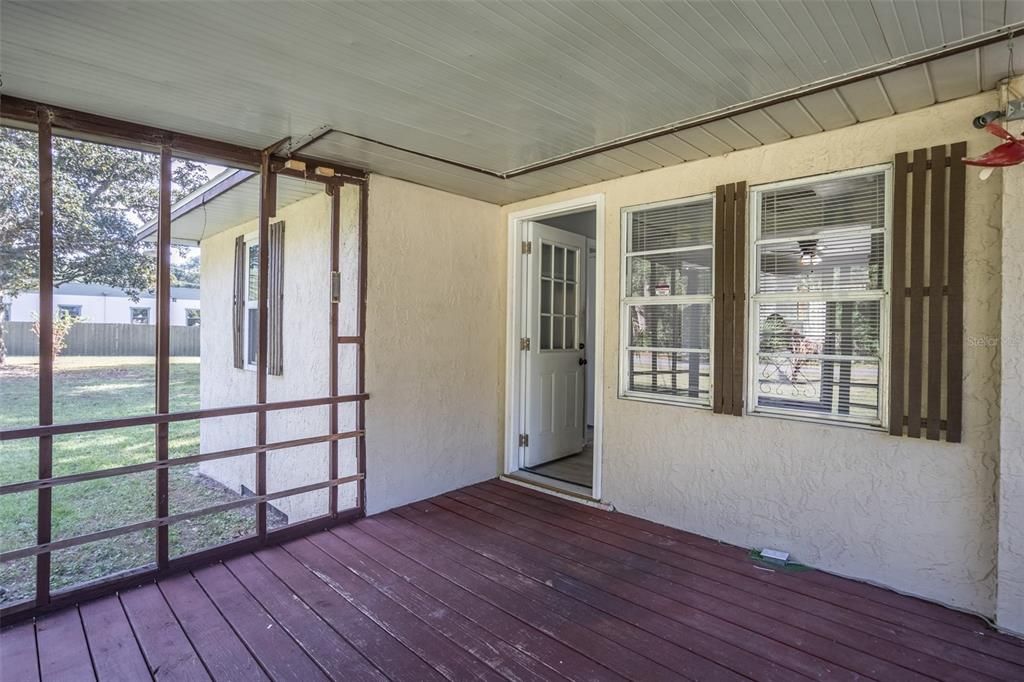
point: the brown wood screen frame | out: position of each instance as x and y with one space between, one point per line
730 297
45 431
931 231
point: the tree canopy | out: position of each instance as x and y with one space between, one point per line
102 195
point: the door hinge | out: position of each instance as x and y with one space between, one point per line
524 343
527 247
524 440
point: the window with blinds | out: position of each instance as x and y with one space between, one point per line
666 301
818 293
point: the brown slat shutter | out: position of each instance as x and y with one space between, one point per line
275 300
730 297
238 311
931 232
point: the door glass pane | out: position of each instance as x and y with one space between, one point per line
545 332
559 263
558 337
570 265
545 260
545 296
559 306
570 333
570 299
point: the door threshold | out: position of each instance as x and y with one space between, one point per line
569 491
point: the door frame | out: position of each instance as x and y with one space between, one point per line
515 304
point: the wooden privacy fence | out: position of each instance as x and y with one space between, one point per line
94 338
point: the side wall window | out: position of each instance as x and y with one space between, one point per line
140 315
818 291
667 294
252 297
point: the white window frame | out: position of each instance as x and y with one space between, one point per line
250 303
884 297
625 301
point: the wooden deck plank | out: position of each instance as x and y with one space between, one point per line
115 652
63 650
169 653
500 582
620 646
389 655
503 658
520 634
793 627
643 609
19 657
216 643
914 614
273 647
325 646
860 643
435 649
729 621
655 533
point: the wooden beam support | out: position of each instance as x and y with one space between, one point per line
163 346
111 130
44 505
268 206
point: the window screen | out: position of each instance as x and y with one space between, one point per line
819 295
666 301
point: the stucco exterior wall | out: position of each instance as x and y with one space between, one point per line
435 323
915 515
306 358
1010 604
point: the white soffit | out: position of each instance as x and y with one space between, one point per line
195 217
495 85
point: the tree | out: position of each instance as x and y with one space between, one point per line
186 273
102 195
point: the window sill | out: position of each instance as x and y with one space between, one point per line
663 400
876 427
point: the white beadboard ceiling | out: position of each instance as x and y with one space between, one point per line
495 85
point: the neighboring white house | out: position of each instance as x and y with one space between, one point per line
100 304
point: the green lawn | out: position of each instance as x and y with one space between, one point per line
88 388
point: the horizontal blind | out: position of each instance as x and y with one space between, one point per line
667 292
819 296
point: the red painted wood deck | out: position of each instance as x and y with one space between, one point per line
497 582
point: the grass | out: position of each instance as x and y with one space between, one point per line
89 388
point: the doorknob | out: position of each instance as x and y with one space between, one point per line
583 361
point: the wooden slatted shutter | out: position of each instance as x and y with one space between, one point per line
275 300
927 282
238 310
730 297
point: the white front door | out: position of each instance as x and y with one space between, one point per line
555 376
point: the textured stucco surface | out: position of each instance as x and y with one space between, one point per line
1010 612
306 357
435 323
914 515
